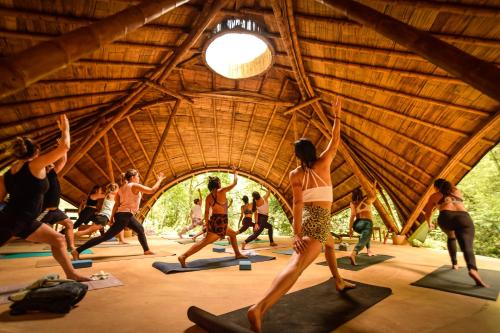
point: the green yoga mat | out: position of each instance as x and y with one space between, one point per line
420 234
33 254
226 243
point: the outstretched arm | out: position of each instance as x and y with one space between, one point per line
147 189
333 145
235 181
60 163
266 196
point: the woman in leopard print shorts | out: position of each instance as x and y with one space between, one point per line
312 201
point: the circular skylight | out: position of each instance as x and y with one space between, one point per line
238 53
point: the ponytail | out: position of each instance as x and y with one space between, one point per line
24 148
443 186
255 197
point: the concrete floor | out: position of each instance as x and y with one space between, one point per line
151 301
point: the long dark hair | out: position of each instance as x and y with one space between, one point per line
443 186
357 195
245 200
213 183
255 197
94 189
24 148
305 152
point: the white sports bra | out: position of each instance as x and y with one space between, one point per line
316 193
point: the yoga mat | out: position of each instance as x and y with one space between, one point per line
318 309
459 282
184 241
106 258
362 261
24 248
33 254
226 243
202 264
111 281
254 249
287 252
108 245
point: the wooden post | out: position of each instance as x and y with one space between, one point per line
478 73
108 158
452 162
24 68
162 140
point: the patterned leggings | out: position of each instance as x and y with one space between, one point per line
316 223
363 227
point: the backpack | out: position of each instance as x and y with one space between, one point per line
58 298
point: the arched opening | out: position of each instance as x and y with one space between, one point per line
171 206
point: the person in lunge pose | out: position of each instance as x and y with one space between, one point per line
26 183
260 207
456 223
195 215
217 223
127 204
312 201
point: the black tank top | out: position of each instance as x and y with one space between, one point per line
52 196
25 192
91 202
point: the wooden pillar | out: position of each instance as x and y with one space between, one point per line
108 159
26 67
478 73
162 139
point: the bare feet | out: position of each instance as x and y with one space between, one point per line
75 254
254 319
79 278
243 244
343 285
352 257
371 254
475 276
273 244
122 242
454 267
148 253
240 256
182 260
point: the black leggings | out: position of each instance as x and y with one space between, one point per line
461 223
84 217
263 224
122 220
247 223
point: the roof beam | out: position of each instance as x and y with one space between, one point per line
478 73
170 92
446 7
139 141
302 105
238 96
164 151
162 140
122 146
107 154
455 159
20 71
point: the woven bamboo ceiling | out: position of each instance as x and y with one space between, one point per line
406 121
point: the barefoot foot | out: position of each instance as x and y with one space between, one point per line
243 245
75 255
182 260
454 267
352 258
344 285
78 278
148 253
254 319
273 244
475 276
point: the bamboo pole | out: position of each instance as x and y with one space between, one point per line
479 74
158 136
239 96
170 92
457 156
446 7
20 71
302 105
162 140
107 153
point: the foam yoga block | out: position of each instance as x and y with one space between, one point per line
82 263
245 265
219 249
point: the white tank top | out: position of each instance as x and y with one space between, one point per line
129 202
264 208
107 207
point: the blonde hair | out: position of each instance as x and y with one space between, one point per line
111 187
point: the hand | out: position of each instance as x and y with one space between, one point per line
160 176
298 244
63 123
431 226
337 108
257 227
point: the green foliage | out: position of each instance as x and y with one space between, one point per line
481 189
171 210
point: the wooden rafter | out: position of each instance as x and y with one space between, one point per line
163 149
139 141
170 92
117 166
179 138
239 96
19 71
162 140
97 166
302 105
107 154
478 73
269 122
455 159
198 139
122 146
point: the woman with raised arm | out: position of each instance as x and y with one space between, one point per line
90 207
361 221
195 215
26 183
217 223
127 204
260 208
312 202
245 216
456 223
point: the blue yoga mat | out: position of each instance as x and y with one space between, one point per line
202 264
33 254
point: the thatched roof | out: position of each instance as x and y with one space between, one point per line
405 121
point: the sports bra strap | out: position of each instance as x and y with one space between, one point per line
310 173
